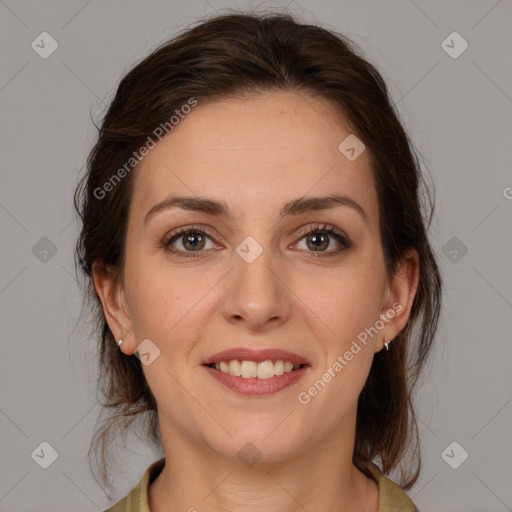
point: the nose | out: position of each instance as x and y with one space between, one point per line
256 292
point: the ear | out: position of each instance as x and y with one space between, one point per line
110 290
400 296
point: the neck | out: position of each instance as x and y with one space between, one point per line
195 478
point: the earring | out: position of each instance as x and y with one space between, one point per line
386 344
119 343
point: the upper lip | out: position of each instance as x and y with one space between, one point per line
257 356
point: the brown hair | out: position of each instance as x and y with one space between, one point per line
231 55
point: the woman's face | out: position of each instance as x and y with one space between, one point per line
255 279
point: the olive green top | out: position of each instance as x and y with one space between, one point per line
391 497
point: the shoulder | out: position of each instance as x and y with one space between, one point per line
137 499
391 497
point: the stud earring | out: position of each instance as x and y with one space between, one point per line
119 343
386 344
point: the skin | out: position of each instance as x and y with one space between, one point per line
256 154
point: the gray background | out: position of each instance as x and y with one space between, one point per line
458 112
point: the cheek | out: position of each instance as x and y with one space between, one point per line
167 305
346 302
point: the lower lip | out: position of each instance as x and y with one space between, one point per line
255 386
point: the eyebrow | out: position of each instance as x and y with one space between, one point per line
297 206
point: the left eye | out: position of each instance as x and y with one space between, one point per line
319 238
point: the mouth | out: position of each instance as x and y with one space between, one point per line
256 372
262 370
249 363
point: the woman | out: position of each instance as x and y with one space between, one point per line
254 243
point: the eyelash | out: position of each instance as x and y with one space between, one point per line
326 229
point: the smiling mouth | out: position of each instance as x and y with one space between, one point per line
251 369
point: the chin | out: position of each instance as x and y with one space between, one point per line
257 444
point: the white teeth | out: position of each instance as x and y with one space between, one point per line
234 368
279 368
265 370
250 369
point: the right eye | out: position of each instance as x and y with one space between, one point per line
192 240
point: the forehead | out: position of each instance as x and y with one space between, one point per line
253 153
